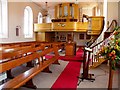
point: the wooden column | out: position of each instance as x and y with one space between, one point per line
111 72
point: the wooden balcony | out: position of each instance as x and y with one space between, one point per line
94 26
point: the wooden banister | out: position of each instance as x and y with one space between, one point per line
112 23
85 74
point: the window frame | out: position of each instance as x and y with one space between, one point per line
81 36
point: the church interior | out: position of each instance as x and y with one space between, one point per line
63 44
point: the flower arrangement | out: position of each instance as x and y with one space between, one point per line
111 51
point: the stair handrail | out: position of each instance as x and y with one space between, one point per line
103 40
113 21
85 66
86 58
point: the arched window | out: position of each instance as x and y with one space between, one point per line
40 17
3 19
28 22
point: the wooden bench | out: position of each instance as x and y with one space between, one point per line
14 53
26 77
20 44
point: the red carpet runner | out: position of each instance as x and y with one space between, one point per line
77 57
68 78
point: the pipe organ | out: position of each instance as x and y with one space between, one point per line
67 18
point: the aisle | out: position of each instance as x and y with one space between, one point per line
68 78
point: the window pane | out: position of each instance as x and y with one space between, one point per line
3 19
39 17
0 18
28 22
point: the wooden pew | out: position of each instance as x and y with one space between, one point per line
7 52
14 52
6 56
26 77
21 44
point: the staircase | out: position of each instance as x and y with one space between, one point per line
97 63
96 58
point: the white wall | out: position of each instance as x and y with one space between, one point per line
51 12
112 11
119 13
78 41
87 11
16 17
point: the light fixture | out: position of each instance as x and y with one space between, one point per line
46 16
46 10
